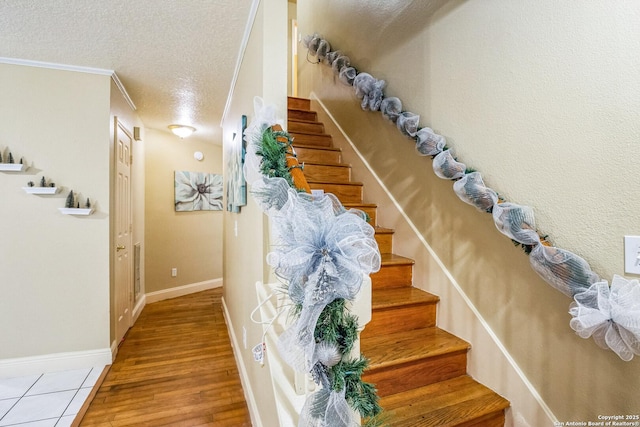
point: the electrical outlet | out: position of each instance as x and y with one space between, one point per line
258 353
174 272
632 254
244 337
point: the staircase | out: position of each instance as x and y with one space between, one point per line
419 369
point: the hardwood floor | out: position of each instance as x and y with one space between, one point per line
175 368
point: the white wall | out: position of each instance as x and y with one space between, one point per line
262 73
552 88
541 99
55 268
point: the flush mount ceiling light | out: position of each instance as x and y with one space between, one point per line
181 130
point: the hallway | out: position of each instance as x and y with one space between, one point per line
174 368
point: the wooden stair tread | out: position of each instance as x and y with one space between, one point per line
332 164
317 153
315 147
303 133
304 121
350 183
393 259
296 114
388 350
382 230
359 205
299 110
401 297
454 402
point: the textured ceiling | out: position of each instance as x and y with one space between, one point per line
176 59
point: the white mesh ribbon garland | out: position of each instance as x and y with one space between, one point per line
339 63
311 42
611 315
429 143
331 56
369 90
323 49
471 189
516 222
407 123
347 75
391 108
322 254
565 271
446 167
326 408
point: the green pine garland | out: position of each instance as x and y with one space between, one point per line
274 155
335 324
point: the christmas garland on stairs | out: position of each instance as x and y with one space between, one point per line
321 253
609 314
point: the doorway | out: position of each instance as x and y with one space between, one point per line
123 229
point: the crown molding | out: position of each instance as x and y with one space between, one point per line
243 47
55 66
123 90
75 68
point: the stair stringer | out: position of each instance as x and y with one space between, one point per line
489 362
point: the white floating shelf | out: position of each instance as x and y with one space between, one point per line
11 167
76 211
40 190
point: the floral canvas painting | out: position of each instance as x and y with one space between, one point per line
198 191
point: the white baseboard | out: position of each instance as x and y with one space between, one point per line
33 365
244 377
179 291
142 301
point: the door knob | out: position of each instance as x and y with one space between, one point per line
119 248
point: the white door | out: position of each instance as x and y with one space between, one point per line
123 228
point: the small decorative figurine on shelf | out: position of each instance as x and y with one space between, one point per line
8 164
44 187
72 205
70 200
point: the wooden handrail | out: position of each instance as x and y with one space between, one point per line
292 163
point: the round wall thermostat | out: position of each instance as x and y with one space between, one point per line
198 155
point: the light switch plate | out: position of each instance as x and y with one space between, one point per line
632 254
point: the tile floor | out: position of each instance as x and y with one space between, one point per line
46 400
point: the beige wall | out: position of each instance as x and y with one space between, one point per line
263 73
55 268
188 241
541 99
